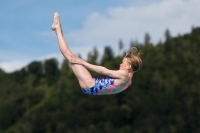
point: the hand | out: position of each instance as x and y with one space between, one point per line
76 61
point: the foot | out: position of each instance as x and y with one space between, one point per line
56 22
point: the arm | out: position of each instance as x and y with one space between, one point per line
99 69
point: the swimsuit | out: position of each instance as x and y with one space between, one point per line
105 86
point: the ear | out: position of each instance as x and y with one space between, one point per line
128 67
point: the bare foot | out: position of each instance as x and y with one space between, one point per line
56 22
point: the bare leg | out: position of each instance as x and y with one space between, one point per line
82 74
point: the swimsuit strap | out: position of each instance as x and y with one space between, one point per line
122 87
118 86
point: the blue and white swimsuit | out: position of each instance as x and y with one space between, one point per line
105 86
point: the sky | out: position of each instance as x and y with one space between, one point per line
26 35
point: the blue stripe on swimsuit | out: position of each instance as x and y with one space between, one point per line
100 83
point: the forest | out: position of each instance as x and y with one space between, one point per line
164 96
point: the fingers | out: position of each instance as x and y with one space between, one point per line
73 60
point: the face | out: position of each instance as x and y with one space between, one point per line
124 65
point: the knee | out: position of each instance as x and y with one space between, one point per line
68 56
71 56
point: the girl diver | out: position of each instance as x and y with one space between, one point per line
116 80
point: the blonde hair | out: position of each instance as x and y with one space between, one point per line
133 57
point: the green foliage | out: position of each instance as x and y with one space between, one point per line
35 69
3 76
93 56
121 45
51 70
147 39
108 55
164 96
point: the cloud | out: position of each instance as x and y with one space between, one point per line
99 29
16 64
132 23
11 66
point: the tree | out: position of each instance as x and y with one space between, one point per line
51 70
19 76
167 35
3 76
108 55
64 68
36 69
93 56
121 45
147 39
134 43
163 96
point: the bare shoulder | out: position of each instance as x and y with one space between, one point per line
122 72
124 78
114 73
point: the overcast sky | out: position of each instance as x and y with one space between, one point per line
26 35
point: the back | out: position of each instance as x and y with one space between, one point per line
119 85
